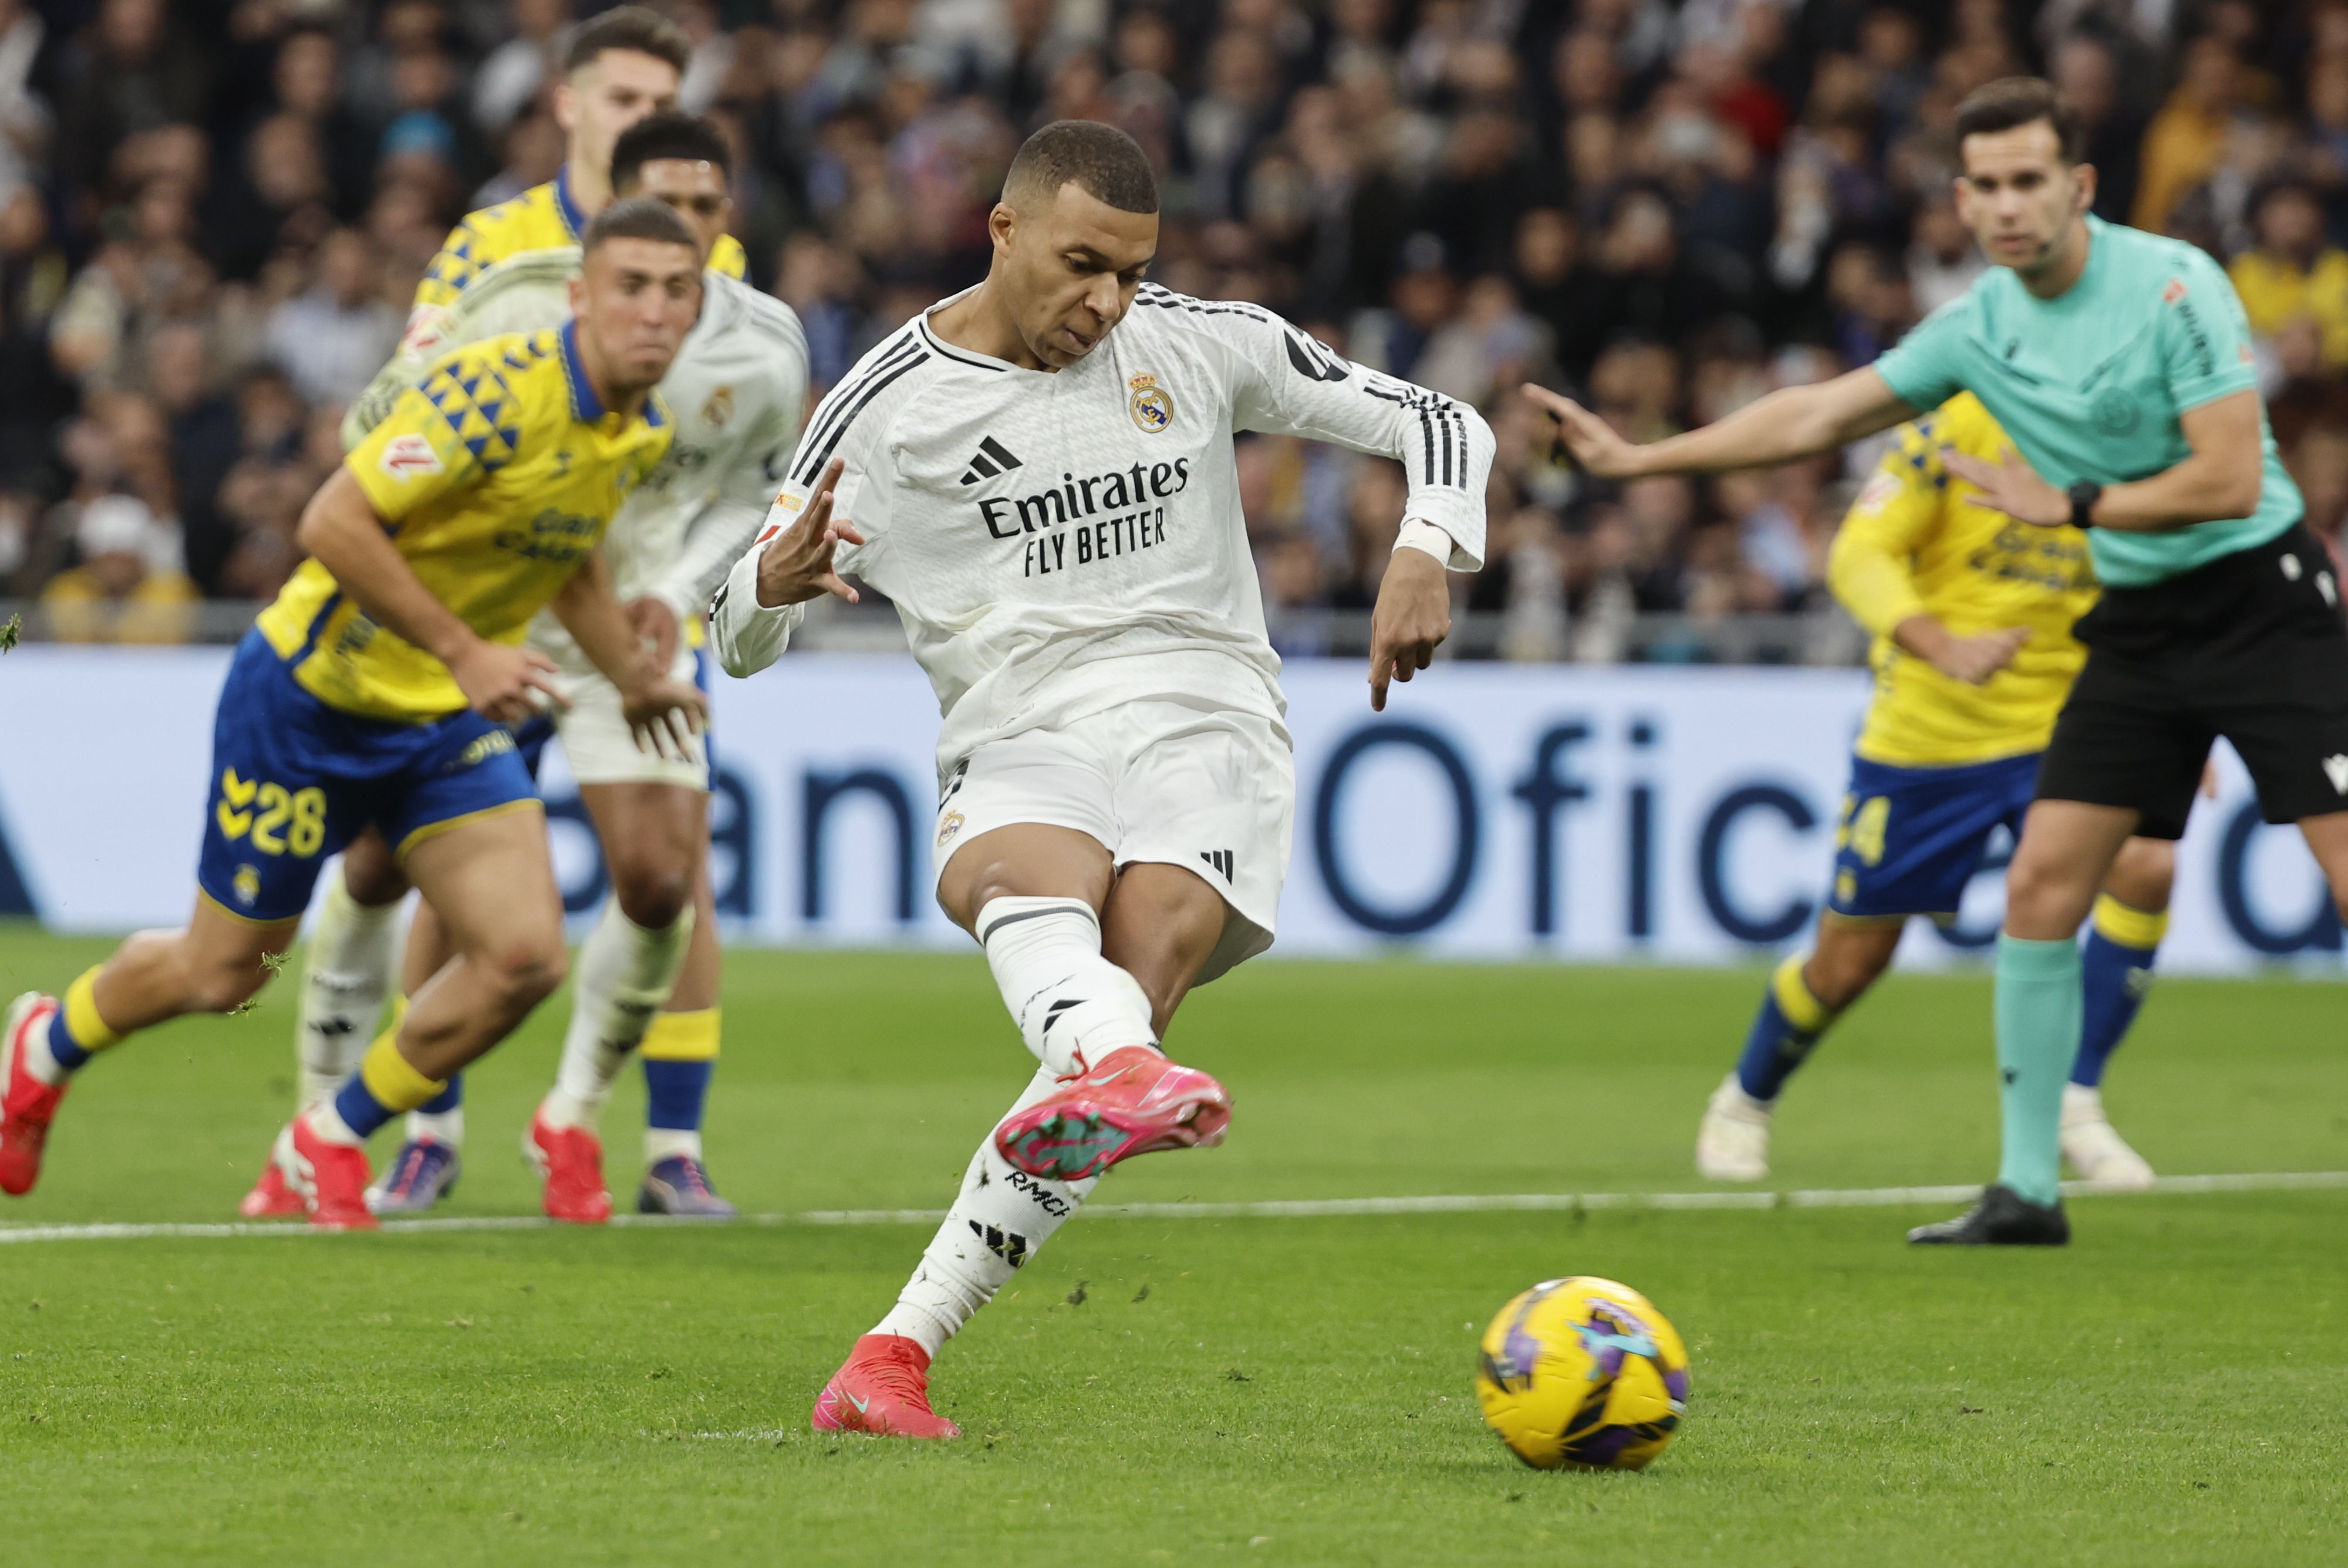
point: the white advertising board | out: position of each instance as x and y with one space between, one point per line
1682 815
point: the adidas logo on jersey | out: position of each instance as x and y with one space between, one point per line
1220 859
993 458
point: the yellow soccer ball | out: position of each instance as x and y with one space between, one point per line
1582 1374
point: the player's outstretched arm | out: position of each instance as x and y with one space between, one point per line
660 710
343 529
1791 422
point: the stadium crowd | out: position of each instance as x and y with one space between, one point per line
213 214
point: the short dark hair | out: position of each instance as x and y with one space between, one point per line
636 28
1109 164
2011 102
637 217
668 134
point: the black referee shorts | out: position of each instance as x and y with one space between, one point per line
2252 647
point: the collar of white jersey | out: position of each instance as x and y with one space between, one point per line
971 357
719 304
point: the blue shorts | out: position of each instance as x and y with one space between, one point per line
1910 838
293 781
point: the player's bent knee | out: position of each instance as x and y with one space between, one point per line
526 970
2044 900
653 891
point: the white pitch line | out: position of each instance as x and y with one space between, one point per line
1303 1208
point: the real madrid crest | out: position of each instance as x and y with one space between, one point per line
719 409
1150 407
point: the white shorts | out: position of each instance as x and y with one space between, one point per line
1212 790
601 749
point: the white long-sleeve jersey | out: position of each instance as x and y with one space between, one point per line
1058 543
735 392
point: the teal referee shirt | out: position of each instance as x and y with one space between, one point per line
2090 384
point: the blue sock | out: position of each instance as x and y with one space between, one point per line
2038 1009
1788 1025
449 1099
674 1092
2116 964
69 1055
361 1111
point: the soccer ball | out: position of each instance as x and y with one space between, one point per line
1582 1374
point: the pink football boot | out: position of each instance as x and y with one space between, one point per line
27 1105
882 1390
1132 1102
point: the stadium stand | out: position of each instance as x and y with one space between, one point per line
212 216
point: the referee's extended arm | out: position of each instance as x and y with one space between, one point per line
2221 479
1791 423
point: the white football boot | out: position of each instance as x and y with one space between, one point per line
2097 1153
1731 1143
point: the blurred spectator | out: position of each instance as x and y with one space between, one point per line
511 74
123 591
2292 272
333 339
213 217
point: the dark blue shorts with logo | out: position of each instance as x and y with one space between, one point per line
295 779
1910 838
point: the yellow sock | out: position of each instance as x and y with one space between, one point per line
682 1036
88 1031
394 1085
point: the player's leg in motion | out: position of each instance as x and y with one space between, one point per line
1808 992
347 968
213 964
2066 850
680 1057
654 839
1092 965
432 1155
2115 960
490 881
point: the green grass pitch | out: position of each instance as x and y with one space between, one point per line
2172 1390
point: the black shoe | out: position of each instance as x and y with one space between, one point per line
2004 1217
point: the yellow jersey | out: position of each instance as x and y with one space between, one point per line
497 476
1912 544
543 216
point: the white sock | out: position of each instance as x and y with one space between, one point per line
327 1122
999 1220
664 1142
345 974
446 1128
625 972
1071 1004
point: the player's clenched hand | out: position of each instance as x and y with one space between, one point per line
1973 659
661 712
654 624
1594 444
2010 486
796 565
1412 619
504 683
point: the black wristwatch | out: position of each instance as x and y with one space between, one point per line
2083 497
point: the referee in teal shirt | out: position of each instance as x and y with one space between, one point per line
2119 364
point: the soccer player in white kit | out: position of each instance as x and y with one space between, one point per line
1039 473
648 972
